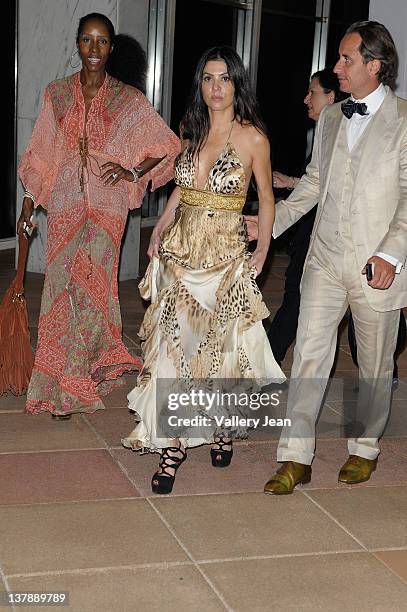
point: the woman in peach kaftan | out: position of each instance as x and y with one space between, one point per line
80 351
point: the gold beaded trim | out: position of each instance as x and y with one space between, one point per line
214 201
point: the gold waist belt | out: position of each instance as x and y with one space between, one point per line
214 201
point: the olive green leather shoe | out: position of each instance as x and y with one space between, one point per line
287 477
357 469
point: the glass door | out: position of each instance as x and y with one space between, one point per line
199 25
286 54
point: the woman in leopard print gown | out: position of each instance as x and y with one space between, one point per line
204 329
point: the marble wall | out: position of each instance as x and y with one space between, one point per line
46 31
393 14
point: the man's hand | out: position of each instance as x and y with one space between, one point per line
283 181
384 273
252 224
258 259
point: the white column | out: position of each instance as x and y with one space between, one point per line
393 15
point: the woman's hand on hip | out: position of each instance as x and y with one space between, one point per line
112 173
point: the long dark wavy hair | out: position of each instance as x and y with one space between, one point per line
195 124
128 62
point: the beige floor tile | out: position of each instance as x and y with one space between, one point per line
330 583
28 432
112 425
396 560
401 392
376 516
83 534
397 446
31 478
173 589
331 424
343 387
118 397
12 403
131 342
247 471
397 423
343 361
251 524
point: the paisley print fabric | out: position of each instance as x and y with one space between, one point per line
205 317
80 353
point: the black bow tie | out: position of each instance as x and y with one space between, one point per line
350 106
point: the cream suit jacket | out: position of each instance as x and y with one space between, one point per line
378 209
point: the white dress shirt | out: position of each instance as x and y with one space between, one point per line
355 126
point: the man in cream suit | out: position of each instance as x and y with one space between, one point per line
358 174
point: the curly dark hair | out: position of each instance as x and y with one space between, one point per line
195 123
377 44
128 62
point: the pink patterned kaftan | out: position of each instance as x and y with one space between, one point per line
80 350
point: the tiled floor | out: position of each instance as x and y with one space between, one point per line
77 513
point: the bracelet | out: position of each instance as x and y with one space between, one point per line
27 194
293 185
137 173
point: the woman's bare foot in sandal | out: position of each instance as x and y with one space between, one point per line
170 460
221 451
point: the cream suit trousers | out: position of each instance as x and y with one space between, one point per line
327 290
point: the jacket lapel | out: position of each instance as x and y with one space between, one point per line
329 137
379 134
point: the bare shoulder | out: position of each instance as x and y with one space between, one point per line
252 136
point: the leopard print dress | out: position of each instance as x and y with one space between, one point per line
203 328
